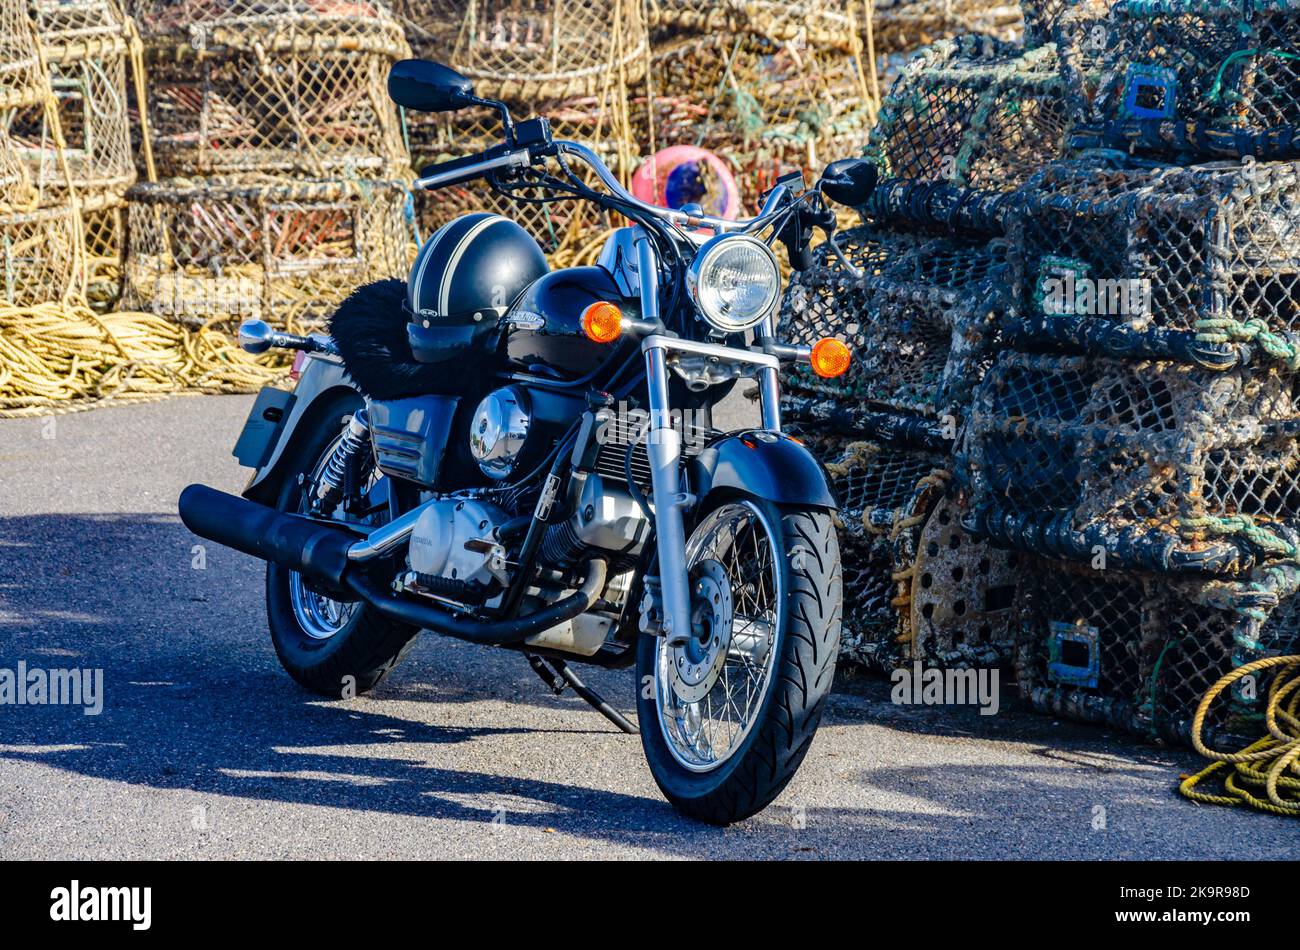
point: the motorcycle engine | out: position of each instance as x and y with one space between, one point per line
454 549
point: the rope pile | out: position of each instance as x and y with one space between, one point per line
1266 774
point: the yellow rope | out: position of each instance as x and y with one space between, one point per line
1271 763
62 356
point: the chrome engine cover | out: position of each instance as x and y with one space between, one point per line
499 430
456 538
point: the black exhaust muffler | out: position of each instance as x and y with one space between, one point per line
316 550
320 551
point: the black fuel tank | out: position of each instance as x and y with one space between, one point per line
543 332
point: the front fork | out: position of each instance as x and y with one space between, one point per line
664 447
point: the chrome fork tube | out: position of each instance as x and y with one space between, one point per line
664 450
769 381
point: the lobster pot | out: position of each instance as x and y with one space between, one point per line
535 50
973 111
282 251
1137 651
916 585
586 119
289 86
1197 264
819 23
86 44
42 258
921 326
905 25
766 108
22 81
1043 18
1154 465
1209 78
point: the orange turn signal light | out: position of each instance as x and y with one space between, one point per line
602 322
830 358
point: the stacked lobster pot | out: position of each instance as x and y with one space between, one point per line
576 62
1138 434
1196 79
921 307
42 257
85 45
771 88
285 171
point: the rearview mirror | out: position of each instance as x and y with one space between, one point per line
850 181
426 86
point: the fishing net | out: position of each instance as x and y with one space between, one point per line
920 321
281 250
1196 264
287 86
1137 651
1210 78
973 111
1158 465
767 108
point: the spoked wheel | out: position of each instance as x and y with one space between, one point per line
332 644
727 717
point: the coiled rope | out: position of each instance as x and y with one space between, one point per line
62 356
1271 763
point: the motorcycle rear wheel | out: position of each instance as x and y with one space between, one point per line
726 721
332 647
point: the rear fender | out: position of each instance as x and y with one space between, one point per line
320 385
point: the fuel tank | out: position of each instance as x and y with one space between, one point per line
542 332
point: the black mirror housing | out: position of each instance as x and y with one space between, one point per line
849 181
425 86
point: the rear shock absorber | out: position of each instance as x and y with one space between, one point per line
332 485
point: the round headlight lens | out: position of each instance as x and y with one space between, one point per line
735 281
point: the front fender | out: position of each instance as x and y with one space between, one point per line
321 382
768 465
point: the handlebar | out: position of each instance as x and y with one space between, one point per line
466 169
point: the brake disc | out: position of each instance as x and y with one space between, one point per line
695 666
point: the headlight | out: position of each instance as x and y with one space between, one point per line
735 281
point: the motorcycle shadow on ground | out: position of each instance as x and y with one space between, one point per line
195 700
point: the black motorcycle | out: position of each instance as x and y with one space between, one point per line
525 458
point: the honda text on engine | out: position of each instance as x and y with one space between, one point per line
525 458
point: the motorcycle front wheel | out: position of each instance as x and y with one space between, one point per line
727 718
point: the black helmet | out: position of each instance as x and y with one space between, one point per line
463 281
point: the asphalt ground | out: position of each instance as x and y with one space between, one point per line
205 748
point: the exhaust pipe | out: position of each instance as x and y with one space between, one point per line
317 550
322 552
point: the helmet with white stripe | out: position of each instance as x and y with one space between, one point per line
463 281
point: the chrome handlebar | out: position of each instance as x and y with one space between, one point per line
522 158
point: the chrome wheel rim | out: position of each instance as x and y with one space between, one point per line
320 617
709 694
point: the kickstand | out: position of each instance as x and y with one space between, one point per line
559 675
